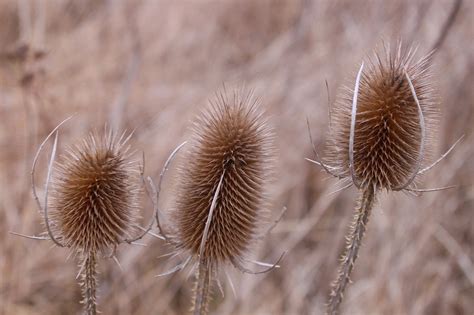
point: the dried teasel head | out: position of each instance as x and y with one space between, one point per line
380 130
94 194
231 153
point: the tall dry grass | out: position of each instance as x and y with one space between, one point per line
152 65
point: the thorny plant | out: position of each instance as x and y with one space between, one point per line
220 195
94 202
378 141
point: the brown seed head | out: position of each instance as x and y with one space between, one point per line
94 193
388 131
231 138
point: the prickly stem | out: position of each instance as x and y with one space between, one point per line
202 289
89 283
354 242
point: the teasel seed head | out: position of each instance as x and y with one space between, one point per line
390 125
231 152
95 193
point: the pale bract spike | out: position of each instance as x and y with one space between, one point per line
35 160
177 268
426 169
112 254
150 189
243 269
46 188
407 192
340 189
422 190
121 143
209 217
117 262
329 103
191 271
155 195
91 142
71 253
33 237
327 168
353 123
274 223
422 140
261 263
320 164
156 190
231 283
81 269
172 254
219 285
411 54
151 233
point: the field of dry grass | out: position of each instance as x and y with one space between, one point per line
150 66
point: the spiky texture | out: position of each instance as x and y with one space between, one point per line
89 282
354 241
202 288
94 199
232 138
94 194
387 134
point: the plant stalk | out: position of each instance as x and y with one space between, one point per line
354 241
202 288
89 283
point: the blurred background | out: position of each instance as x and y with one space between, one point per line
150 66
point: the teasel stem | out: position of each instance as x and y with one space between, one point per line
89 282
202 288
354 241
203 281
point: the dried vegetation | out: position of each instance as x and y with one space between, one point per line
152 66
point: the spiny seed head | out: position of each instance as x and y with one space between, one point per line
388 131
95 193
232 138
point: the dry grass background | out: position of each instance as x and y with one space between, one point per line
151 66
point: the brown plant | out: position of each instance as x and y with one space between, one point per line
94 194
221 190
94 202
379 138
